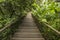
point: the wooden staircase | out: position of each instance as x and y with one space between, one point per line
28 30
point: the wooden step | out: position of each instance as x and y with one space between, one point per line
28 35
28 39
28 24
27 27
28 30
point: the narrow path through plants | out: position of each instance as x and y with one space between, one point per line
28 30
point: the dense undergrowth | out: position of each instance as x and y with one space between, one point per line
11 14
12 9
44 11
47 12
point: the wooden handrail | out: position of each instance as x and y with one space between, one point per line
6 26
52 28
58 32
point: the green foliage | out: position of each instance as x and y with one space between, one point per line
10 12
48 12
2 0
12 9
